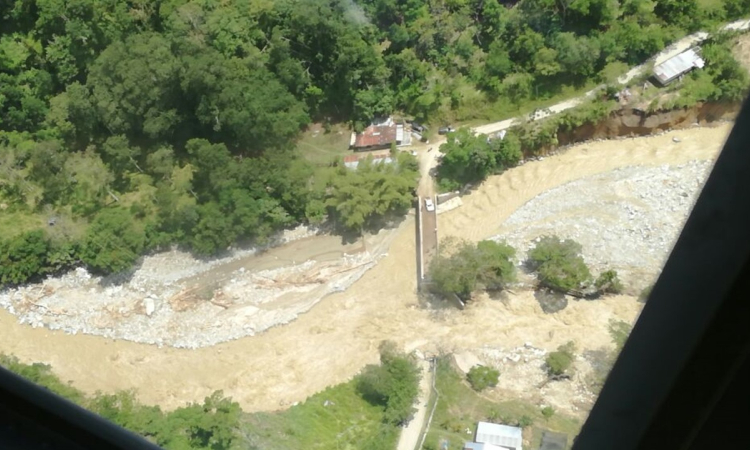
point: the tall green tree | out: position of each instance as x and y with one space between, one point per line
394 384
113 242
135 85
23 257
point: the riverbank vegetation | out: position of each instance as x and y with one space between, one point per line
364 413
462 268
559 266
212 424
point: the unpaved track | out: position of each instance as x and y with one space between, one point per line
333 341
673 50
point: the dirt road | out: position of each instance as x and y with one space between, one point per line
333 341
673 50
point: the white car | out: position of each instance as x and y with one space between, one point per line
429 205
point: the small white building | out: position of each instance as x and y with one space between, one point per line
677 66
493 436
477 446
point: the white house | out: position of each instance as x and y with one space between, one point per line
493 436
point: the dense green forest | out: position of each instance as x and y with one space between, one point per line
136 125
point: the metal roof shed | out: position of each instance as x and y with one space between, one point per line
509 438
478 446
678 65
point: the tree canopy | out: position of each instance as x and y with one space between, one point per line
462 267
185 113
559 264
394 384
481 377
470 158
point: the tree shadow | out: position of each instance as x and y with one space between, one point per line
500 295
550 301
120 278
599 359
437 303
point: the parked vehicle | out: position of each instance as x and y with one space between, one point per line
446 130
429 205
418 127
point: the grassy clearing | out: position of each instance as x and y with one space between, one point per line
321 147
460 408
710 5
477 110
18 222
347 423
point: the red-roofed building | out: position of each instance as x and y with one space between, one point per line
378 135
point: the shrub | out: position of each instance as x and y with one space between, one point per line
608 283
482 377
453 425
525 421
548 412
559 362
559 264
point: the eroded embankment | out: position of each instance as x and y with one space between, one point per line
630 122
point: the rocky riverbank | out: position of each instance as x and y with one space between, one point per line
176 300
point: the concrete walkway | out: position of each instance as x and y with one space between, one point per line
410 435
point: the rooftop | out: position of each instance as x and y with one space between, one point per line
379 134
678 65
501 435
478 446
352 161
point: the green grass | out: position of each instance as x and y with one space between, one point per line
18 222
476 109
321 147
460 408
348 423
710 5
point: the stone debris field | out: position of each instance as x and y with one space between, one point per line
626 219
176 300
